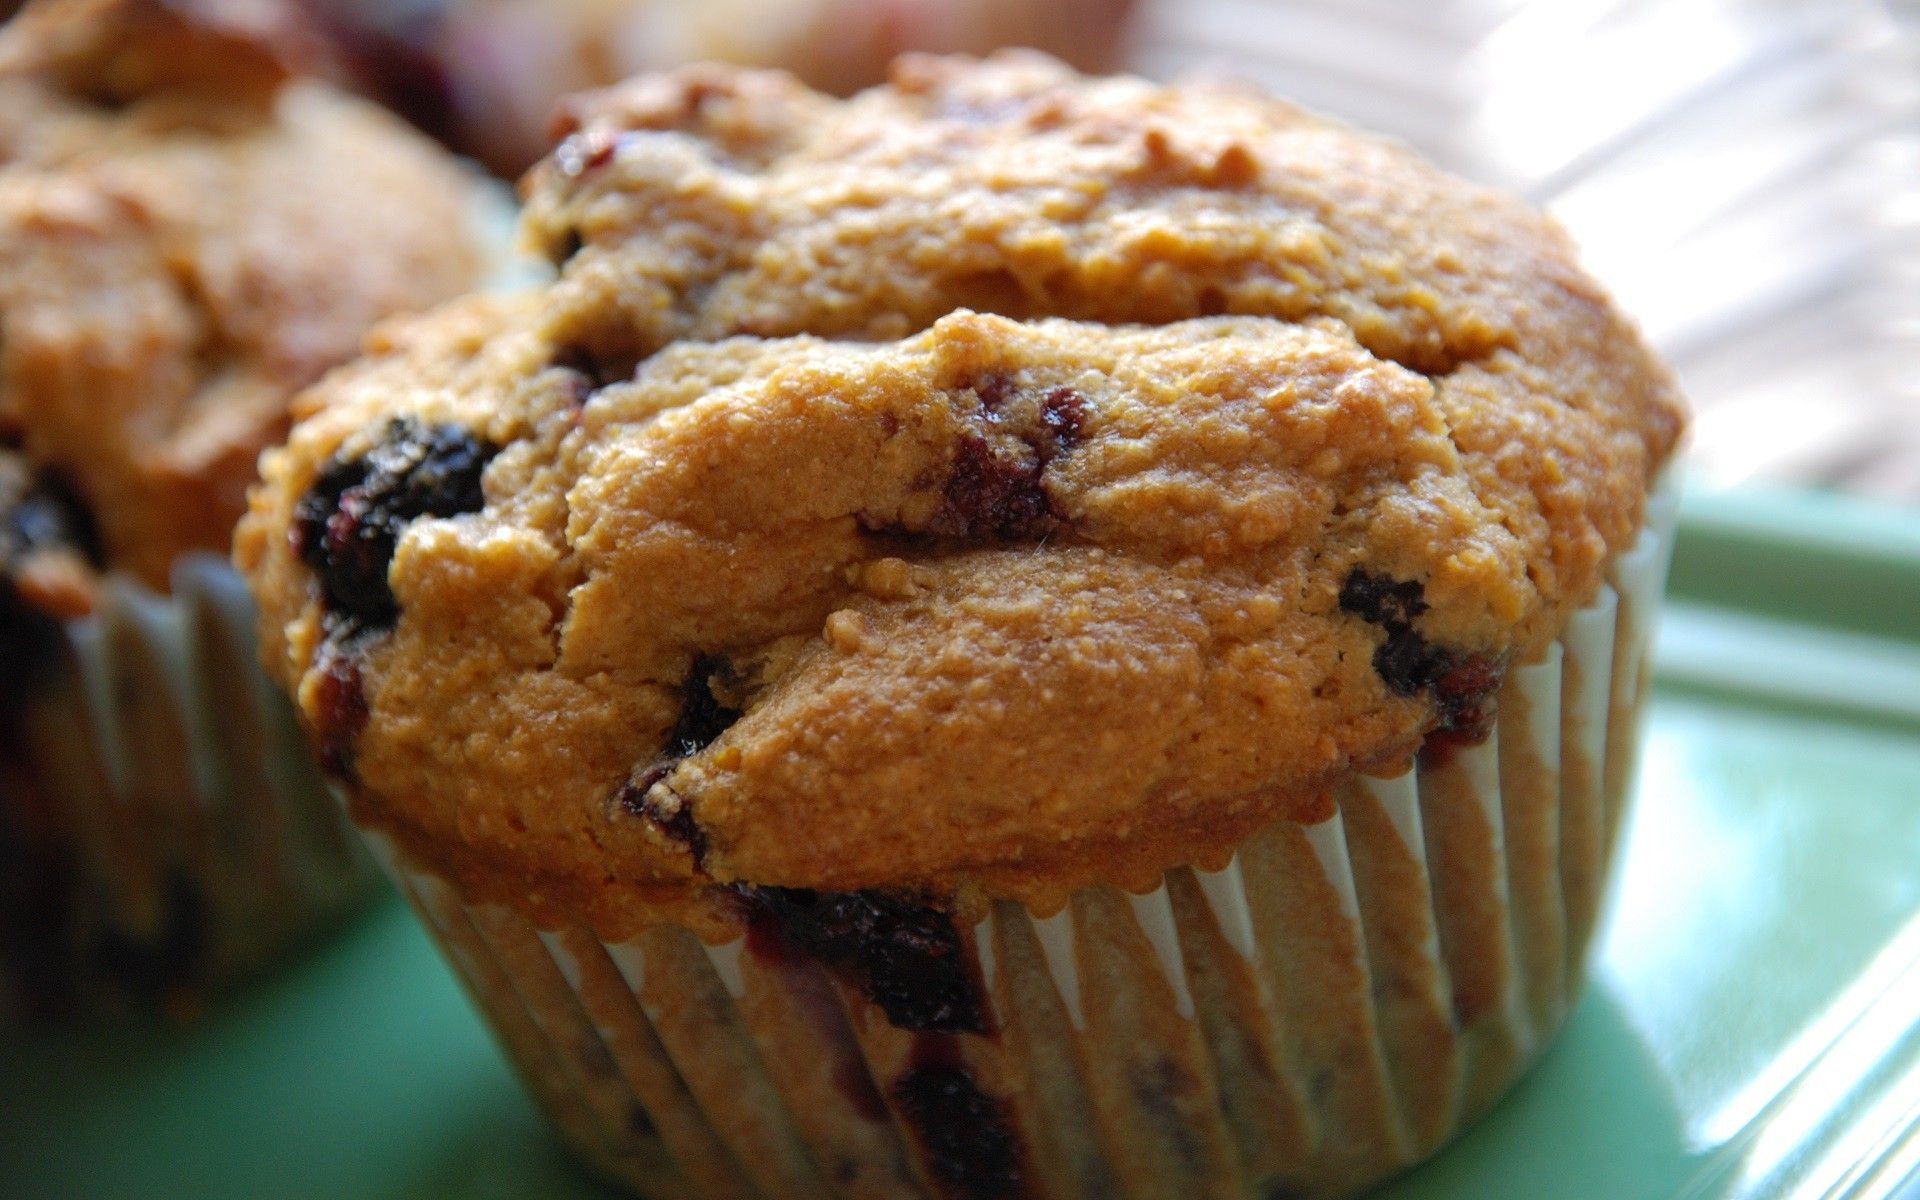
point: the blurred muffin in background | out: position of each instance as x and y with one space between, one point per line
483 75
189 233
189 236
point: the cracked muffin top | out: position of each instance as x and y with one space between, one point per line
998 482
188 235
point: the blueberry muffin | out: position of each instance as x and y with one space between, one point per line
1016 635
189 234
483 75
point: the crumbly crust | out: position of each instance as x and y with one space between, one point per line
792 570
188 235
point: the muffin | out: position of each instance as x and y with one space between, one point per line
1017 635
189 234
483 75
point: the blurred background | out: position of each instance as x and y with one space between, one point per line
1745 174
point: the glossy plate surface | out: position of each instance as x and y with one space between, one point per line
1753 1030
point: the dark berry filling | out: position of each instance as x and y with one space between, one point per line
903 955
1063 418
968 1136
703 717
39 514
991 494
818 1005
1467 691
1407 662
1381 600
1464 686
663 808
347 524
339 705
996 486
48 516
994 391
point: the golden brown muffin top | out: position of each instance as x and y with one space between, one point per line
188 235
746 553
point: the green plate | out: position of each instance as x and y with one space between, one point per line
1753 1030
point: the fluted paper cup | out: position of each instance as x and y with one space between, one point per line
161 794
1333 1005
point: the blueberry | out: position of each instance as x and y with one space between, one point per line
663 808
1408 662
1405 661
1464 686
1379 599
904 955
339 704
968 1136
47 516
1063 421
347 524
702 716
996 487
991 494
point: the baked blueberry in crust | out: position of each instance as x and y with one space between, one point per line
42 520
350 520
703 717
972 1148
340 704
1463 685
996 487
904 954
645 797
46 516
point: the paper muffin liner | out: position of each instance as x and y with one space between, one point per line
172 792
1333 1005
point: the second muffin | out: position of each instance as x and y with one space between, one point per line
189 233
